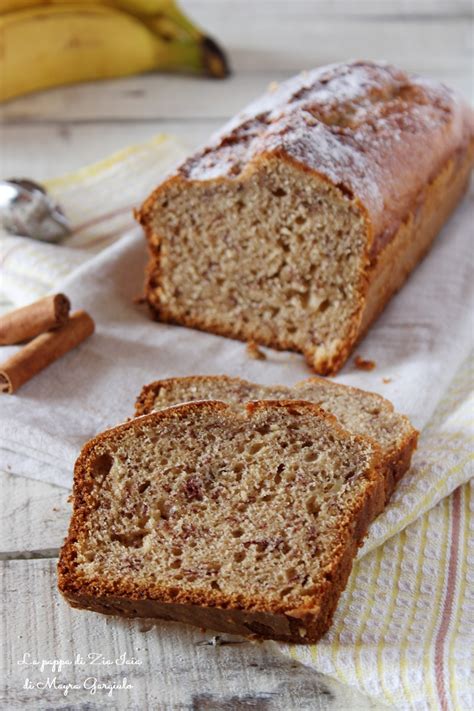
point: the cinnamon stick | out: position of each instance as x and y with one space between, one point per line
44 350
29 321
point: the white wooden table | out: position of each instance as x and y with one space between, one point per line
51 133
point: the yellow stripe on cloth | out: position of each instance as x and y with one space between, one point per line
364 618
404 645
462 606
434 619
388 618
95 169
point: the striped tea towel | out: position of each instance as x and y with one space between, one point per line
403 632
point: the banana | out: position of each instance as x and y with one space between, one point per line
164 15
61 43
141 8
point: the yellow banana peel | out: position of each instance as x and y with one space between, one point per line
163 16
54 42
134 7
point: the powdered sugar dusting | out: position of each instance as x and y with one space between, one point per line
368 127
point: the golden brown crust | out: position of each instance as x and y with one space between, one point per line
241 613
372 130
394 263
398 463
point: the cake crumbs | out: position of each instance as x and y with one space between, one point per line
218 641
386 380
139 299
363 364
253 351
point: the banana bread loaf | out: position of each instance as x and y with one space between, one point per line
244 520
358 411
303 216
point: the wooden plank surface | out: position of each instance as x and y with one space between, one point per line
73 145
344 9
150 97
180 667
33 517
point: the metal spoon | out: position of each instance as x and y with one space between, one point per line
27 210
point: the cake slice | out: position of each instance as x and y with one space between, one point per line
243 519
358 411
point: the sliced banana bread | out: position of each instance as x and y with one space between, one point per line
295 225
240 519
358 411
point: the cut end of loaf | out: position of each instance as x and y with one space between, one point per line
275 255
62 306
257 510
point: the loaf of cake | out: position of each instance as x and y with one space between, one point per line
303 216
358 411
237 519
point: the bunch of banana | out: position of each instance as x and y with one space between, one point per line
45 43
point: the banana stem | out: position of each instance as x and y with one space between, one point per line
201 57
215 61
180 34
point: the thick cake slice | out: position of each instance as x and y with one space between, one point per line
358 411
296 224
241 519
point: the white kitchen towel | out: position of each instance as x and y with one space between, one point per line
413 567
